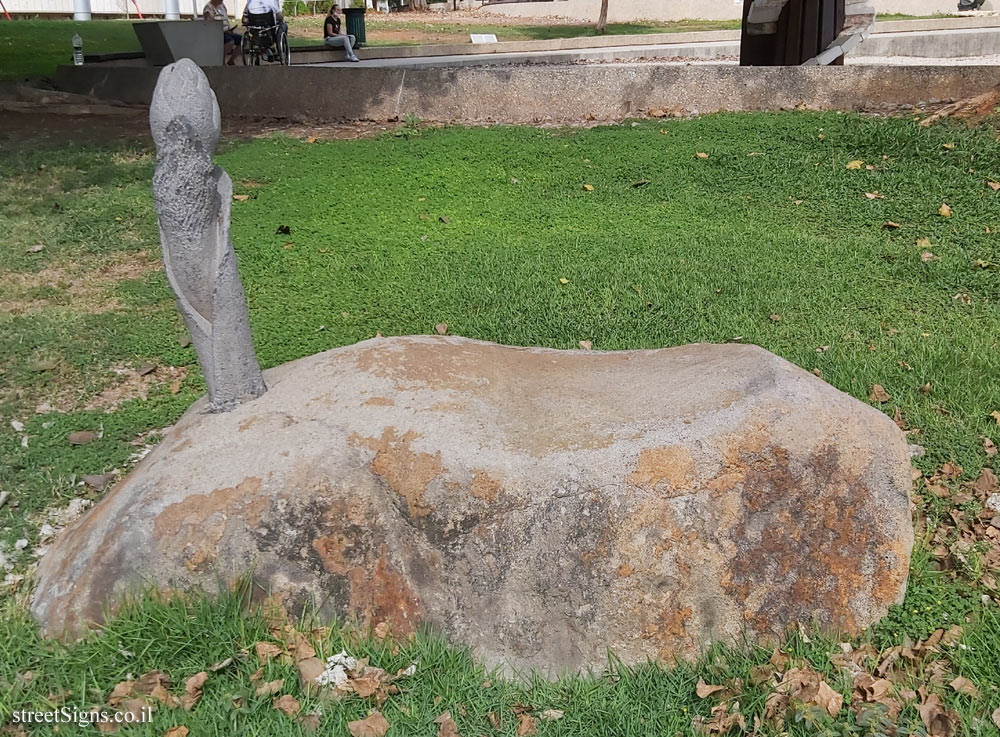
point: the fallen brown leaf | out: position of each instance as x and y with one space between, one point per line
927 257
309 722
270 688
267 650
939 721
964 685
120 692
526 725
446 725
309 670
586 345
701 155
995 186
166 698
989 447
180 731
879 394
891 225
550 715
148 681
374 725
829 699
441 328
286 704
875 195
996 717
855 165
945 211
705 690
192 690
588 187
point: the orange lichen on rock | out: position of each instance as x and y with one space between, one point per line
405 471
672 465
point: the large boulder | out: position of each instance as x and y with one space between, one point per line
540 506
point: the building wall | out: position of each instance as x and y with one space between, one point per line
622 11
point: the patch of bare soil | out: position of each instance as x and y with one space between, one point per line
81 286
415 35
134 383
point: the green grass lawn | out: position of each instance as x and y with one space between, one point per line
770 239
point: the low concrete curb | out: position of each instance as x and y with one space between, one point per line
531 94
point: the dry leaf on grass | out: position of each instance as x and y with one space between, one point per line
241 197
939 721
374 725
166 698
723 719
989 447
441 328
180 731
588 187
310 670
267 650
996 717
550 715
309 722
964 685
286 704
829 699
701 155
586 345
192 690
945 211
875 195
705 690
879 394
526 725
270 688
446 725
855 165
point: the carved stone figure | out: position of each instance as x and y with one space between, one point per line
193 197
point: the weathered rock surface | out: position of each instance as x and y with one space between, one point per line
540 506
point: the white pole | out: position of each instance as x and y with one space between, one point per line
81 9
171 10
194 9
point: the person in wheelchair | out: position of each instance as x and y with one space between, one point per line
266 15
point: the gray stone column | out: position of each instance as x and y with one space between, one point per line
193 199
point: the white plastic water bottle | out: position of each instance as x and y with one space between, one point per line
77 50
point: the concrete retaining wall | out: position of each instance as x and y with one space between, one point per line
623 11
537 93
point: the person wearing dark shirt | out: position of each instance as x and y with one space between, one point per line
334 38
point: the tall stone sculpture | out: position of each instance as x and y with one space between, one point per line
193 197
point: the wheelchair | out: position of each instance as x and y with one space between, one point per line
264 40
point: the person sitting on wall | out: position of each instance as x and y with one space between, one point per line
332 35
264 14
231 50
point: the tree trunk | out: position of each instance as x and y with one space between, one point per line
602 19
